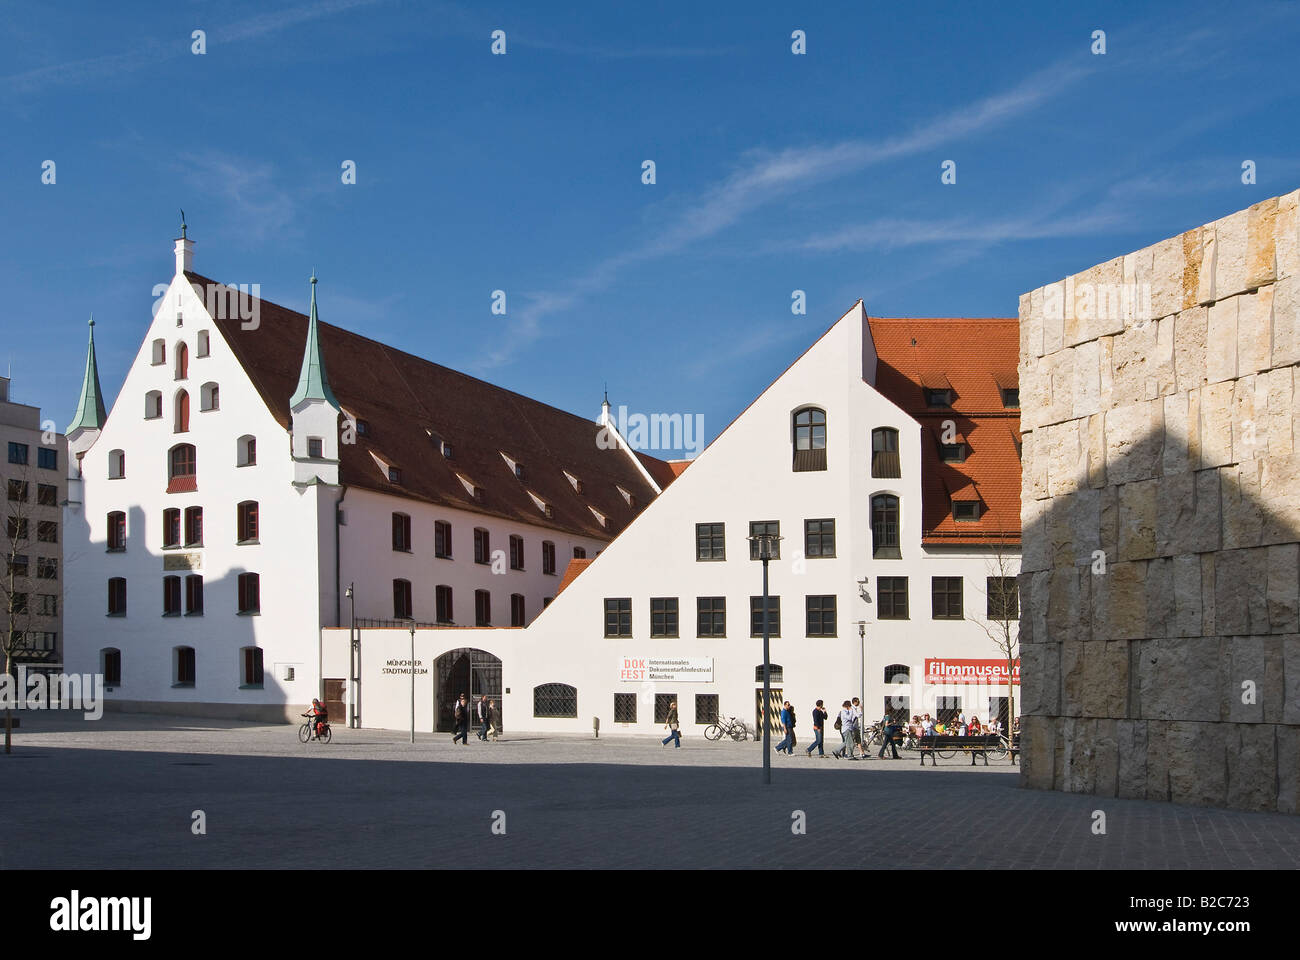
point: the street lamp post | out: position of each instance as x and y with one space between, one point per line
413 680
865 594
765 543
354 678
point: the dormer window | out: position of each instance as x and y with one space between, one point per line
394 475
515 466
965 510
600 517
573 482
627 496
470 486
1011 398
938 397
953 452
541 504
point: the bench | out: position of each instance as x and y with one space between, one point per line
979 745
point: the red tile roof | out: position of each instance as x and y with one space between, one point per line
575 567
976 359
403 399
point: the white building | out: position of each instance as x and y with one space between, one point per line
262 475
886 457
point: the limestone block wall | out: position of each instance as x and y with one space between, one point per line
1160 583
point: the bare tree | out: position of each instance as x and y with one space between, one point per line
16 584
1002 624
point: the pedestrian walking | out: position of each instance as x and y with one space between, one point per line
673 727
890 730
462 721
494 721
787 723
482 717
819 716
857 729
845 723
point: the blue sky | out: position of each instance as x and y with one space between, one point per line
774 172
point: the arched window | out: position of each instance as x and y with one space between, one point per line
898 673
250 593
182 361
401 599
153 405
210 398
116 531
246 522
555 700
117 596
810 439
182 412
884 527
159 352
777 673
183 667
250 667
182 468
110 665
116 464
884 453
246 451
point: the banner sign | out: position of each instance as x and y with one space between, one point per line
672 669
941 670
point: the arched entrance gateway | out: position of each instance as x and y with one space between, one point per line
469 671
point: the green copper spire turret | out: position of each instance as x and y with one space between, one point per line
313 384
90 409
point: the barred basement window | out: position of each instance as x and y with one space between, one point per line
711 616
618 617
706 708
898 708
946 709
663 616
625 708
663 702
898 673
891 597
557 700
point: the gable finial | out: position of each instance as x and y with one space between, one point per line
182 224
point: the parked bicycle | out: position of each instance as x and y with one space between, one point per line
730 727
307 732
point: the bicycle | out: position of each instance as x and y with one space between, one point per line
730 727
306 732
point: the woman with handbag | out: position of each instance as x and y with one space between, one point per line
674 728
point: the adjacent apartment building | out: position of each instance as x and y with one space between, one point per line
886 458
31 608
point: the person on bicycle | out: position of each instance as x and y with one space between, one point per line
319 715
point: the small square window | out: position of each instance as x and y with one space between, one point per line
965 510
938 397
315 448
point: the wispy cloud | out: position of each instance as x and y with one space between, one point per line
152 51
765 177
246 189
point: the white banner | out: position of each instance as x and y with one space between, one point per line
672 669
